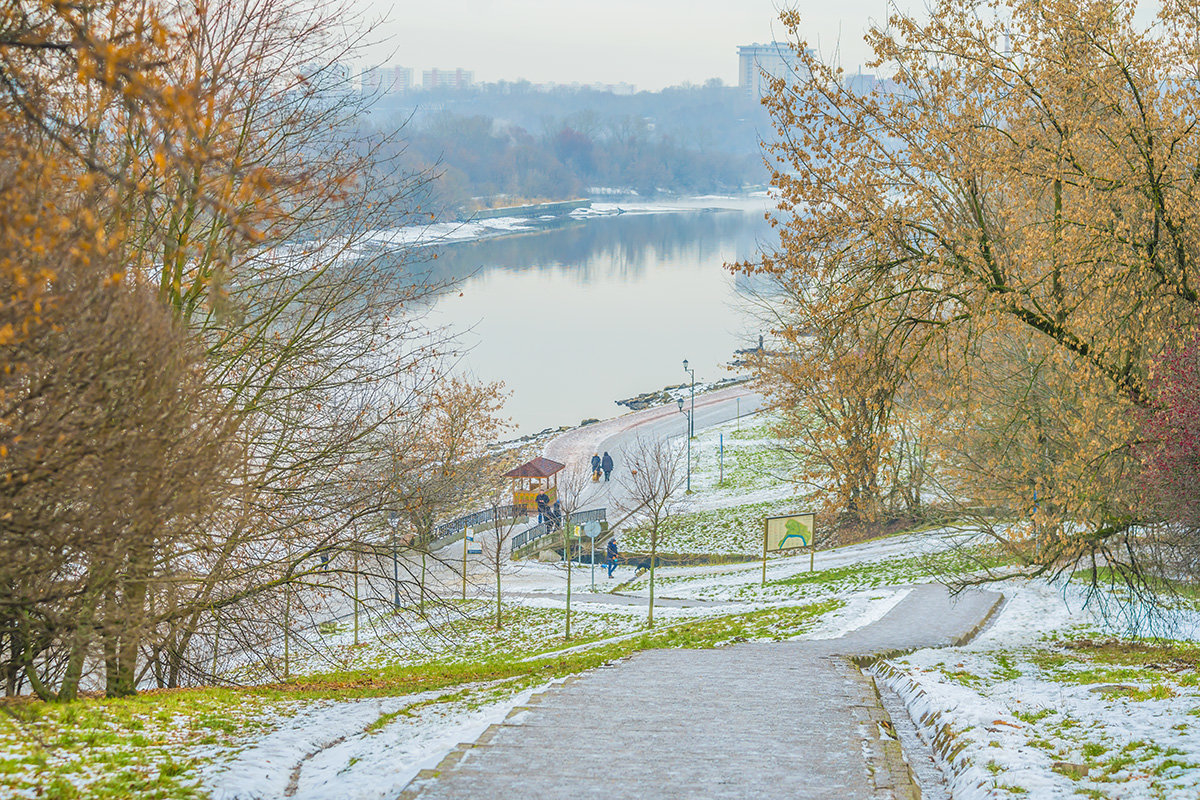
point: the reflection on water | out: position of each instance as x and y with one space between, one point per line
576 316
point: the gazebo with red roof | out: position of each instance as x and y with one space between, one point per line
532 478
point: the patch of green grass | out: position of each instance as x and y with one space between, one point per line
1170 765
1030 717
735 529
1006 671
964 678
1105 578
97 748
1130 669
1156 691
1118 763
705 632
1011 789
894 571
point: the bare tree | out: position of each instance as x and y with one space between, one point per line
653 489
119 451
576 491
497 548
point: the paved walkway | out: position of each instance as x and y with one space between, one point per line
756 720
577 445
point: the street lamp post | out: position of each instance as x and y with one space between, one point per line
691 416
394 522
686 428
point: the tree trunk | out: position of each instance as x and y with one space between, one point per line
653 555
12 669
124 680
567 553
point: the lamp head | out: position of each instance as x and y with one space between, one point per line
685 365
680 401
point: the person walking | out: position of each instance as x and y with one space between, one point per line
606 464
595 467
611 552
543 506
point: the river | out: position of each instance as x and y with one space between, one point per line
585 312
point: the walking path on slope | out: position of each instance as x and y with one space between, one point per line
577 445
756 720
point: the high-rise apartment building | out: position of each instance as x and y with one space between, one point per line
386 80
756 61
447 78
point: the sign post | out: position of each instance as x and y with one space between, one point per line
592 530
789 532
466 538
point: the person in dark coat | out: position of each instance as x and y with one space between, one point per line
596 466
606 464
556 515
543 505
611 552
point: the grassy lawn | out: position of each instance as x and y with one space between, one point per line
735 529
898 571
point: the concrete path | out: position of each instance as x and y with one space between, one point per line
577 445
756 720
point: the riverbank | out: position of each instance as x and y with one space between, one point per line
499 222
671 394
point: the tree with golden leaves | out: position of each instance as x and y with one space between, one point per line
1016 214
181 152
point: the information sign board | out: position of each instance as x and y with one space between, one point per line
789 532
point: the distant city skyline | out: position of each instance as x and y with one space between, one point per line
648 43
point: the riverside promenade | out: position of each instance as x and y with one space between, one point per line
756 720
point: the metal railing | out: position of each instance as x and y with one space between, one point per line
449 532
535 532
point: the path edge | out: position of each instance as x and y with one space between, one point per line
942 739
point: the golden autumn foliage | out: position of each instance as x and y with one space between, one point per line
180 208
1011 230
110 442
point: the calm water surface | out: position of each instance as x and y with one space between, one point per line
577 316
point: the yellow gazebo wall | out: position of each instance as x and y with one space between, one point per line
526 490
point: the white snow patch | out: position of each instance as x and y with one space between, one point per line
337 757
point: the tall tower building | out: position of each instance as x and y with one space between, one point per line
756 61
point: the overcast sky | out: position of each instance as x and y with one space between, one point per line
649 43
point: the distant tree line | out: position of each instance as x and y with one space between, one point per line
538 145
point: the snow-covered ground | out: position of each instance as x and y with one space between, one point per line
1048 703
1036 706
340 748
1051 700
1011 718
